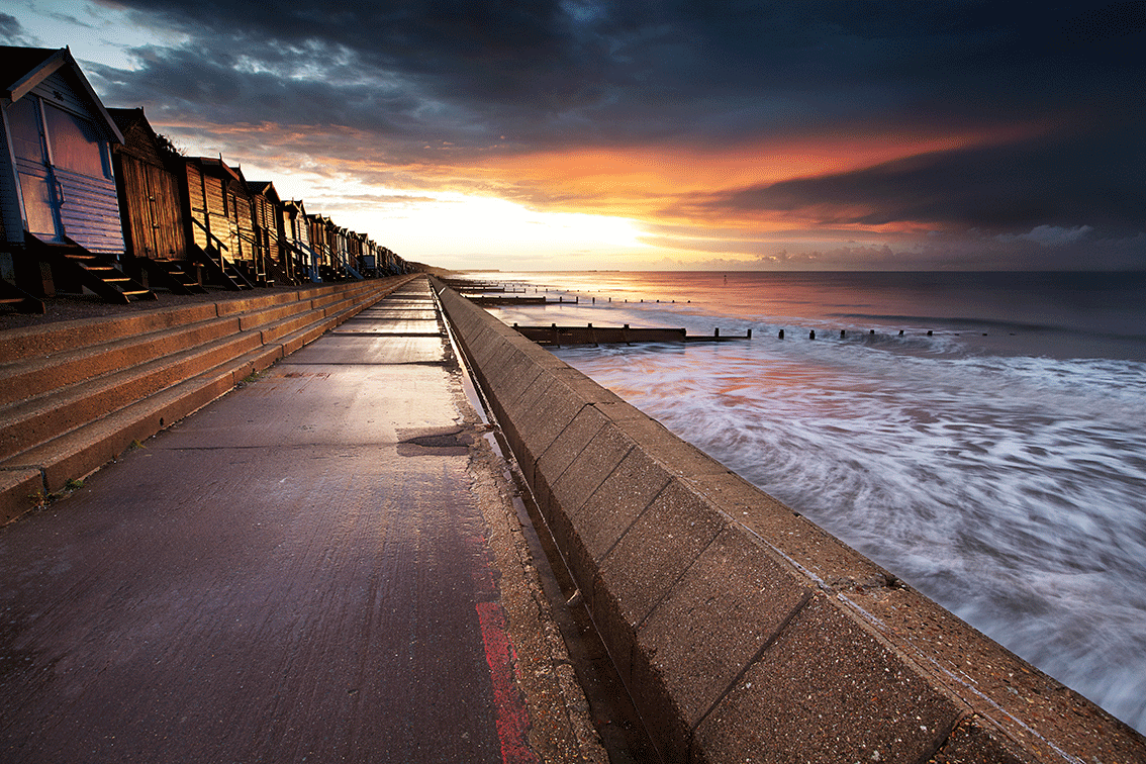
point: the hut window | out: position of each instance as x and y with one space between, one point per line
76 146
25 126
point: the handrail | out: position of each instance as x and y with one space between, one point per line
210 235
305 250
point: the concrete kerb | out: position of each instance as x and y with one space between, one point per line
743 631
16 482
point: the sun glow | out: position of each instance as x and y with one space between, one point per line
459 230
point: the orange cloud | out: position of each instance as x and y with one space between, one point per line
649 183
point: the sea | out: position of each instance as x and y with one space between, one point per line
980 435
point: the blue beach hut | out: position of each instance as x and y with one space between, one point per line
59 208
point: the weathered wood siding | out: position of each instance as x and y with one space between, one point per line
244 229
139 231
166 214
197 204
216 214
55 89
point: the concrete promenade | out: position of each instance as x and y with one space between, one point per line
323 565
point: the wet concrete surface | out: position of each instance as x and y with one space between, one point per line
320 566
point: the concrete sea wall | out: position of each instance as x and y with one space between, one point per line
743 631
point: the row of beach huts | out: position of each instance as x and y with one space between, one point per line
93 200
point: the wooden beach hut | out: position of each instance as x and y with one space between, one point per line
368 259
245 253
341 249
147 169
296 230
320 244
60 224
266 212
353 262
330 266
212 230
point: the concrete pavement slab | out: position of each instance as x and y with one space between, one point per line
326 405
245 604
392 312
374 325
340 349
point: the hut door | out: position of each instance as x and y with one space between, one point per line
164 201
38 184
153 228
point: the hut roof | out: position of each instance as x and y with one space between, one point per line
22 69
266 188
220 168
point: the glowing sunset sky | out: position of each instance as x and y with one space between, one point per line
641 135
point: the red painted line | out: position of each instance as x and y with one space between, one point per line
512 716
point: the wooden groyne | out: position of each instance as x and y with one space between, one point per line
558 336
510 300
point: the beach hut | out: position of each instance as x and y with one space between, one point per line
212 230
59 206
340 250
148 178
353 262
331 265
296 235
266 213
368 259
241 212
320 244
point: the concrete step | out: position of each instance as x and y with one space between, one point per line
73 395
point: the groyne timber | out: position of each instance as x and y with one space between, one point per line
742 631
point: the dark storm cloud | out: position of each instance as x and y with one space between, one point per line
1012 187
547 72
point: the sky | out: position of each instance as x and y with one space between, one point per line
634 135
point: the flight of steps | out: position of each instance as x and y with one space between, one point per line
75 394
